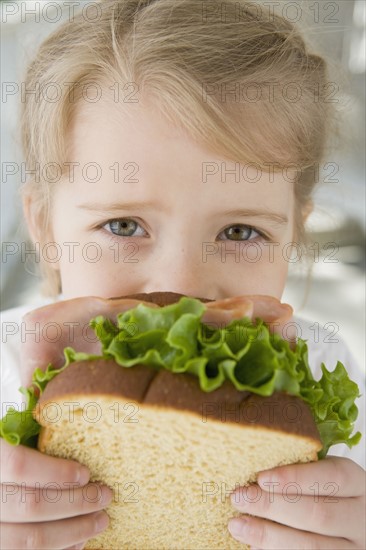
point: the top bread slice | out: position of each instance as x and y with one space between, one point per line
171 452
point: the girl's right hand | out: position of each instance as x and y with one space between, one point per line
47 502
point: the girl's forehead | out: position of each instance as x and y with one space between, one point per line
138 139
173 185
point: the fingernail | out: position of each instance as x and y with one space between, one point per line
101 521
83 475
237 526
107 496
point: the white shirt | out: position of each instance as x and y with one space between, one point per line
321 348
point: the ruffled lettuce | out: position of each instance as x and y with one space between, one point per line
19 427
244 352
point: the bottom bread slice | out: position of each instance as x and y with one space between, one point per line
171 468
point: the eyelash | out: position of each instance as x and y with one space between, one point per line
115 237
246 226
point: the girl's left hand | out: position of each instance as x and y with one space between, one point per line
319 505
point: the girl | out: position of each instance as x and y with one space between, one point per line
169 154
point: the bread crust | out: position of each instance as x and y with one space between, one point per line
146 385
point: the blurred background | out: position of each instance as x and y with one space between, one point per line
335 292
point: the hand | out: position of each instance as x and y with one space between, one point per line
304 506
38 512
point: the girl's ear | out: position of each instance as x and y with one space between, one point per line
303 212
32 220
34 217
307 210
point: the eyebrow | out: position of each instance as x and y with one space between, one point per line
265 215
115 207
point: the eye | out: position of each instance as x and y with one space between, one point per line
240 233
125 227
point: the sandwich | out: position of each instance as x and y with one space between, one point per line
187 400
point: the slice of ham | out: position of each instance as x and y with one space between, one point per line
51 328
220 312
275 314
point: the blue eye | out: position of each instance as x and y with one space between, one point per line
240 233
125 227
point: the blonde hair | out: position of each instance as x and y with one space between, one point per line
203 71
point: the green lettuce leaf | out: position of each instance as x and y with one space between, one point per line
19 427
244 352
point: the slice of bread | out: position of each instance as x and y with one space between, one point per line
171 452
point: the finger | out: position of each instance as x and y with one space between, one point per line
299 511
333 477
31 504
265 534
54 534
51 328
20 464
